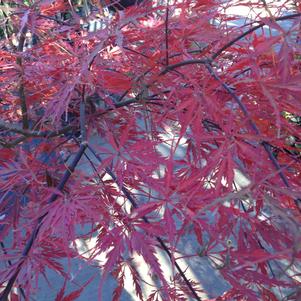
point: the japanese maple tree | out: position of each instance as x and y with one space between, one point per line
137 134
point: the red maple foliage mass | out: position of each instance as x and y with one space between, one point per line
138 132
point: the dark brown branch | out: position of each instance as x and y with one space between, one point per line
184 63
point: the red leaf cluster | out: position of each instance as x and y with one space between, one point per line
166 134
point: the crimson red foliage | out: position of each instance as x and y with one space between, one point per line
170 123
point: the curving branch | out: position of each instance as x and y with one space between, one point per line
184 63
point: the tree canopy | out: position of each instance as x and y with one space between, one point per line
145 127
